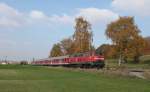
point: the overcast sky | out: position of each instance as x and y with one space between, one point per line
29 28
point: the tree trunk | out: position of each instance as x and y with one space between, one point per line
136 59
125 59
120 60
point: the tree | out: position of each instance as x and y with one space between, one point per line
56 51
83 36
80 42
67 46
23 62
108 51
146 50
136 47
124 34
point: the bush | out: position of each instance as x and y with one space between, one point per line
23 63
145 59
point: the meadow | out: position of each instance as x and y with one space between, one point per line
26 78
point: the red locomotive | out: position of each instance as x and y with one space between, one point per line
82 60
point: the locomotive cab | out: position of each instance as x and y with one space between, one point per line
99 62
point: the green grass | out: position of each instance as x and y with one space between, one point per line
113 63
15 78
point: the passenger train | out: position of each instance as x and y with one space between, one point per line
82 61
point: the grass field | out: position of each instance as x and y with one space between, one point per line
15 78
114 63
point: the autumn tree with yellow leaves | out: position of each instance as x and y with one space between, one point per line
126 37
82 36
80 42
56 51
67 45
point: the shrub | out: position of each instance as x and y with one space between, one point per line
145 59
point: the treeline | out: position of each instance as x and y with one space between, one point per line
124 34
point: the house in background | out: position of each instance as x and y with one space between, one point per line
3 62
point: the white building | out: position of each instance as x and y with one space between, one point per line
3 63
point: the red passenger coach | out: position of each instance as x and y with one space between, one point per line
83 61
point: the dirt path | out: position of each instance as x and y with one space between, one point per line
137 73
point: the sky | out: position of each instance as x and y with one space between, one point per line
29 28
